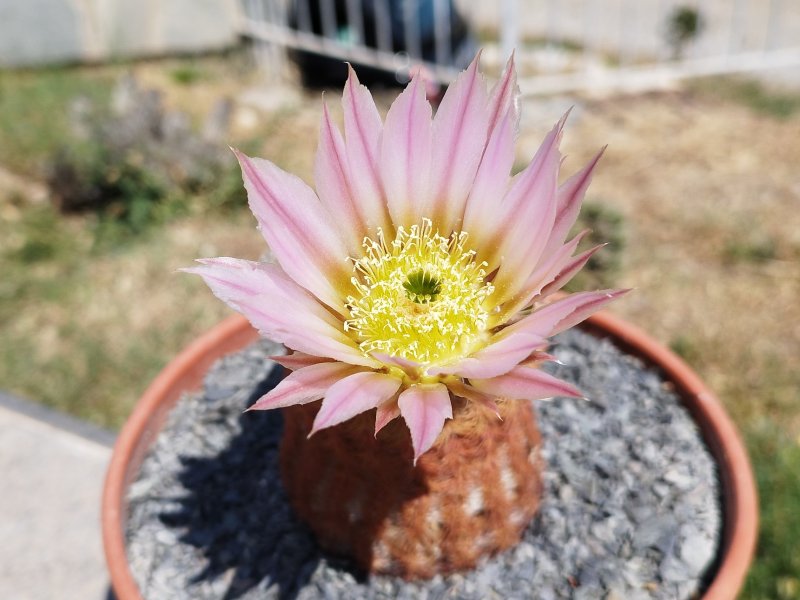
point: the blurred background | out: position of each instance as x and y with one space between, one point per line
115 118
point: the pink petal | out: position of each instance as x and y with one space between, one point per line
538 357
564 313
304 385
353 395
459 129
332 179
362 130
406 155
495 359
568 271
569 197
462 390
523 383
548 269
552 264
279 308
528 211
410 367
298 230
385 414
298 360
504 100
586 309
491 183
425 408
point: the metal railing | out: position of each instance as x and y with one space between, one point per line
384 34
561 45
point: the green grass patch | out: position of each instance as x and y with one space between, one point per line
686 348
752 94
68 340
67 331
91 376
187 74
752 249
532 41
35 108
775 574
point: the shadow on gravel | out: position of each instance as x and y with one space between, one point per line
237 514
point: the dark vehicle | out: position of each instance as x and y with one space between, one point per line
379 24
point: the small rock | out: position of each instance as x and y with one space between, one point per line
679 478
697 549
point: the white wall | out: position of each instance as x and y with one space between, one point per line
35 32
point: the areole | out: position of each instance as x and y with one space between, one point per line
185 373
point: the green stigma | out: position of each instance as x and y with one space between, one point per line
422 287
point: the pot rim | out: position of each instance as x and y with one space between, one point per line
185 372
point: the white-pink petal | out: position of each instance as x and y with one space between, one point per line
586 309
545 273
279 308
298 360
354 395
538 357
410 367
569 270
564 313
298 229
500 356
569 198
504 99
362 131
490 185
524 383
304 385
332 180
459 130
527 214
385 414
425 408
405 157
463 390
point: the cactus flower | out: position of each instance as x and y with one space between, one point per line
420 269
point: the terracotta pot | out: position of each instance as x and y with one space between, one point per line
186 371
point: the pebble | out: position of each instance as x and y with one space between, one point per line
629 510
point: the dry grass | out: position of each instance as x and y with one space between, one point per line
710 193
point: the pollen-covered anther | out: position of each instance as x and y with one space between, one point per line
420 297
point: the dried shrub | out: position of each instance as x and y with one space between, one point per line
136 163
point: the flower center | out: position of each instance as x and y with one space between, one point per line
419 297
422 287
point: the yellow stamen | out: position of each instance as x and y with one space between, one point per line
420 297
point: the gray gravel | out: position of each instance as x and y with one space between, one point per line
630 507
